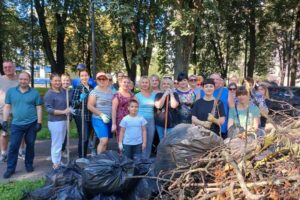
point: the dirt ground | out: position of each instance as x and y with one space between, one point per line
41 165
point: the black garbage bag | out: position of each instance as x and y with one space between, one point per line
64 176
70 192
184 143
108 173
44 193
146 188
106 197
143 165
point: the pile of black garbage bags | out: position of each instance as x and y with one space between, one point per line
107 176
110 176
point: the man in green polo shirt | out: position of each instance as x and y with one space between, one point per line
25 104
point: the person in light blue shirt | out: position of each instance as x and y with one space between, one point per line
146 100
133 133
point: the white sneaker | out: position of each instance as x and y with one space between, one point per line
3 158
49 158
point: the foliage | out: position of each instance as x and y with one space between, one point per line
14 190
250 37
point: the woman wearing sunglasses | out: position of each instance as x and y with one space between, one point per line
100 104
193 83
232 99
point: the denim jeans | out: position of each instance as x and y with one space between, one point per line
17 133
150 126
87 130
161 130
132 151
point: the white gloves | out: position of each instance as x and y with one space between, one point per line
104 117
120 147
72 110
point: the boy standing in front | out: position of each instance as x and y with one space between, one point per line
133 132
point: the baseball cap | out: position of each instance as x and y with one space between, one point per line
80 66
99 74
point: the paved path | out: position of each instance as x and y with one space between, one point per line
41 164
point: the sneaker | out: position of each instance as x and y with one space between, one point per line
7 174
3 158
49 158
21 155
29 169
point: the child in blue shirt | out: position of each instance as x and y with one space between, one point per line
133 132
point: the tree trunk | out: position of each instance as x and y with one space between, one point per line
1 39
183 49
289 52
45 35
60 45
130 68
183 44
1 57
296 53
252 40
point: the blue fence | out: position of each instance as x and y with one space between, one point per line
42 81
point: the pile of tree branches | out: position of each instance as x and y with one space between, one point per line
244 167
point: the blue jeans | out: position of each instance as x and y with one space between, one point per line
132 151
160 131
17 133
87 129
150 126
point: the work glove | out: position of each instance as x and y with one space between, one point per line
38 127
105 118
83 96
72 110
166 93
4 126
205 124
120 147
212 119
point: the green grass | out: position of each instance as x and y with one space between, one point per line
42 91
44 134
14 190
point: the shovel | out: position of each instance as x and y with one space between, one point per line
82 161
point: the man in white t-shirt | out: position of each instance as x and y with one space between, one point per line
8 80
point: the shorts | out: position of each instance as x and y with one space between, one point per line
8 130
101 129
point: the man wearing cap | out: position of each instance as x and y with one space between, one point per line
8 80
76 81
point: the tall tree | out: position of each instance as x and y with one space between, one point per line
61 10
296 53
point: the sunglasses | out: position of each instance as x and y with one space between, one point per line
192 80
102 79
232 88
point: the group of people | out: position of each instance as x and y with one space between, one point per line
101 108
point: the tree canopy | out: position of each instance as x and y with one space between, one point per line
249 37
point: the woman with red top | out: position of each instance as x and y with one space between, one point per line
120 105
